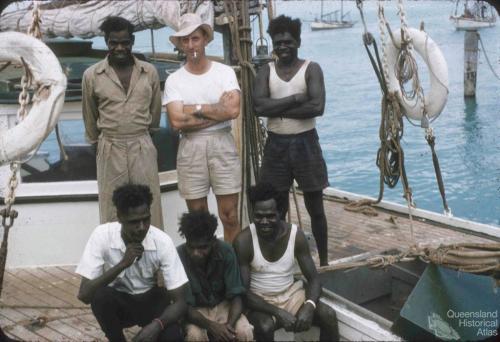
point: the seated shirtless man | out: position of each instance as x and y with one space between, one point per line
267 251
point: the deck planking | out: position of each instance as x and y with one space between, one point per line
351 233
40 304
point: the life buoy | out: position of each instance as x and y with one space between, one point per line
436 96
48 99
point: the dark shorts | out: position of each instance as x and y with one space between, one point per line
294 156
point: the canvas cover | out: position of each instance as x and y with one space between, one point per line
450 305
82 18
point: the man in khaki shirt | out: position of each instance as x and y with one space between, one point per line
121 107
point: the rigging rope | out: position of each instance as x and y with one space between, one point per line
252 131
390 156
486 56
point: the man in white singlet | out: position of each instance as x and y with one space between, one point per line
267 252
290 93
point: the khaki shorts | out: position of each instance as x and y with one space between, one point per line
290 300
219 314
208 159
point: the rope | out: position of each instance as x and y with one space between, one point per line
5 65
34 29
474 258
486 56
253 134
362 206
390 155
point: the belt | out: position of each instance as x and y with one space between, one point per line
120 137
204 132
311 132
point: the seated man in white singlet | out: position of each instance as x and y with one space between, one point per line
267 251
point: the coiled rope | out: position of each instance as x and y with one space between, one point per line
390 155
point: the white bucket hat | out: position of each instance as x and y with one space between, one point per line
189 23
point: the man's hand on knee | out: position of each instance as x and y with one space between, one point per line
149 333
304 318
221 332
286 319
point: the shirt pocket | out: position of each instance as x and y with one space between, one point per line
141 96
146 272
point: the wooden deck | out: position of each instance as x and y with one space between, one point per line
40 304
351 233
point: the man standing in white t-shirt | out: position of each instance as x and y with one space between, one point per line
201 99
119 267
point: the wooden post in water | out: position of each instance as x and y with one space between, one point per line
471 40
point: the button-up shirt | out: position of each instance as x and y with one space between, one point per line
108 109
106 249
219 280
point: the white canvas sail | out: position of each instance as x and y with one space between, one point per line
83 18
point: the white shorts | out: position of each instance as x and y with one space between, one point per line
208 159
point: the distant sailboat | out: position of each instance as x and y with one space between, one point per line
332 20
475 16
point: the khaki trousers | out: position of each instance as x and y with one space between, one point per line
122 160
219 314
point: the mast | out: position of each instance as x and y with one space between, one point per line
321 15
341 10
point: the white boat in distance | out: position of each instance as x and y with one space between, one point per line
476 16
332 20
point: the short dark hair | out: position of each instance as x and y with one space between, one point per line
284 24
113 24
131 196
262 192
198 224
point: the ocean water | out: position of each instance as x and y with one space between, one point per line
467 132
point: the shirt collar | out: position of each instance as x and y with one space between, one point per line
117 242
104 65
214 258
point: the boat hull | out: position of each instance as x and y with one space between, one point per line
52 229
470 23
317 26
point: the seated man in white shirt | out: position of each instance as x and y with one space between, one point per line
119 267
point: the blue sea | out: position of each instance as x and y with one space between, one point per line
467 132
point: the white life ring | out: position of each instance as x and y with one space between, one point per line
48 101
435 98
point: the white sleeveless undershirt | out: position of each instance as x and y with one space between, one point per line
279 89
269 278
